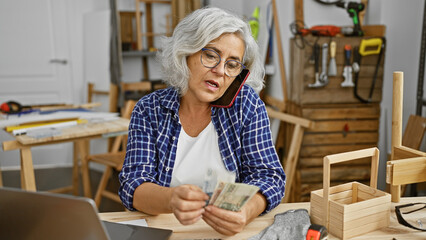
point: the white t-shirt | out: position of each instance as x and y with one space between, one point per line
198 159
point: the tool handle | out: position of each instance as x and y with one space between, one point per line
333 49
370 46
348 50
324 57
316 56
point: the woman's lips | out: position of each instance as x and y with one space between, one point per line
212 85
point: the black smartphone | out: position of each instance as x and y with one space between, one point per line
231 93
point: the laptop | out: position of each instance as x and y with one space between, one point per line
42 215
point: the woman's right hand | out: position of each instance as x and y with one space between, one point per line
187 203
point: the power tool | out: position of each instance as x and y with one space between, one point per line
353 8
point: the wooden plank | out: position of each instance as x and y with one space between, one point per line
346 95
288 118
414 132
311 162
27 170
321 151
280 51
374 30
341 113
406 171
373 222
79 131
398 84
340 138
340 125
402 152
314 175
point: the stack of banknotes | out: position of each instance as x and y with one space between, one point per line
232 196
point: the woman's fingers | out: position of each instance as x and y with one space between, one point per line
189 217
224 221
188 203
191 192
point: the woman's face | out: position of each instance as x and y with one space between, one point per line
208 84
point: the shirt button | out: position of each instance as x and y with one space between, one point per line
167 169
173 137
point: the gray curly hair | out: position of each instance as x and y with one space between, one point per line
197 30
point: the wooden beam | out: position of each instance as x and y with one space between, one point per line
289 118
406 171
398 87
280 51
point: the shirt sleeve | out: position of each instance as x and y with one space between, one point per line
139 164
261 166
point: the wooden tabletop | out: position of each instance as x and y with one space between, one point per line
201 230
91 130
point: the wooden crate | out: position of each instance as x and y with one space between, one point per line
351 209
337 128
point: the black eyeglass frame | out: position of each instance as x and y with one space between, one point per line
220 60
401 220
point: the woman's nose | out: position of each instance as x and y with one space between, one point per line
219 69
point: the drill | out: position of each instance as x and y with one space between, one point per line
353 8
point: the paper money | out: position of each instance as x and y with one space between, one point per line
232 196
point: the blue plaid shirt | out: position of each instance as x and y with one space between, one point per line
244 135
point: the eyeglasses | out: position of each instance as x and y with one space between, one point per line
210 59
415 221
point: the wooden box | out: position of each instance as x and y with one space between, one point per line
351 209
336 128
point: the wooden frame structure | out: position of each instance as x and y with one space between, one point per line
112 160
407 165
290 161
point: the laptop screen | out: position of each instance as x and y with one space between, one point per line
41 215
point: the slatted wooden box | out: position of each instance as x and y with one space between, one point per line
351 209
337 128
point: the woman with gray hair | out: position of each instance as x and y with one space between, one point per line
208 122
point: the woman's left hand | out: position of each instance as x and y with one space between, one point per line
224 221
230 223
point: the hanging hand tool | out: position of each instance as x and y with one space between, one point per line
353 8
320 81
368 47
316 62
332 64
347 70
320 30
323 75
254 23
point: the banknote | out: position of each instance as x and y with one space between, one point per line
232 196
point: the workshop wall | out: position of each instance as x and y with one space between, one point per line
403 21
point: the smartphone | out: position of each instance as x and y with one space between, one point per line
231 93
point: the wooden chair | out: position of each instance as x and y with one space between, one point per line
407 165
112 95
112 160
290 160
